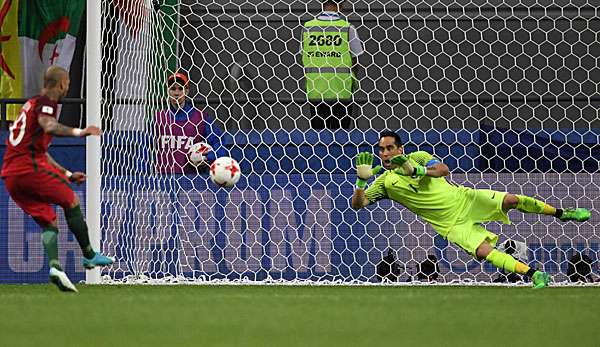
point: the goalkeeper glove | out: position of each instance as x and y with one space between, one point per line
405 168
364 170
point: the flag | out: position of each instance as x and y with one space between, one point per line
40 33
10 66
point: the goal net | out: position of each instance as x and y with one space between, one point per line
503 92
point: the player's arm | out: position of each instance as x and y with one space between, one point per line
213 135
432 167
438 169
53 127
77 177
364 171
359 200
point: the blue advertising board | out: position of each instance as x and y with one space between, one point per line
289 216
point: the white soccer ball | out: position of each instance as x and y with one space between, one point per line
197 153
225 172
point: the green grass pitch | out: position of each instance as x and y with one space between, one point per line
40 315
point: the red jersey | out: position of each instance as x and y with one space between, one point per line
27 143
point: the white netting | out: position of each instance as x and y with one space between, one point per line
504 92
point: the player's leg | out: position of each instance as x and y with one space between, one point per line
43 214
47 220
527 204
58 191
507 262
55 189
490 205
486 206
50 242
25 196
479 242
79 228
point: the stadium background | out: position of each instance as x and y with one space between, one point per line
427 64
482 84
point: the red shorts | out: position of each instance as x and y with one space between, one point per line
35 193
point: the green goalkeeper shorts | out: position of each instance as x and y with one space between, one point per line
484 206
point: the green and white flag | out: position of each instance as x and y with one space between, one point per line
47 35
34 34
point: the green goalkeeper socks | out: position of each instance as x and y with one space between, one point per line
50 242
530 205
79 228
501 260
506 262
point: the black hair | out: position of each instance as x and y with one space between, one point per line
332 2
387 133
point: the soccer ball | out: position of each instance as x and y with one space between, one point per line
197 153
225 172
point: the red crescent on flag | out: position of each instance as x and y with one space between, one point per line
4 10
61 24
3 64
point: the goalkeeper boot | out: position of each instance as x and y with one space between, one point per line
540 279
98 260
60 279
575 214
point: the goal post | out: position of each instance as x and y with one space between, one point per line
93 152
504 95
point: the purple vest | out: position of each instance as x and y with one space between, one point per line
175 138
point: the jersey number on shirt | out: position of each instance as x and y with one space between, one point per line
19 125
325 40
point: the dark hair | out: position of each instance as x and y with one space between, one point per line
332 2
387 133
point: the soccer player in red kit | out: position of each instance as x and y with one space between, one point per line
36 182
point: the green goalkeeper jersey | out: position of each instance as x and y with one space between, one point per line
432 198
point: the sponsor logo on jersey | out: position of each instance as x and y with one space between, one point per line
176 142
48 109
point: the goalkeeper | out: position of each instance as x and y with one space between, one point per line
416 180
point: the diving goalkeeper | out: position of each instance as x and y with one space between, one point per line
416 180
